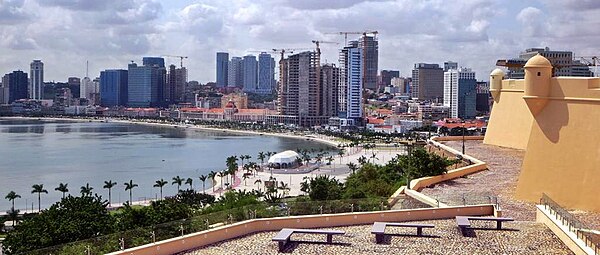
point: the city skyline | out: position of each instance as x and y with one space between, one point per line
109 34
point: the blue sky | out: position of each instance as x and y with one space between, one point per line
110 33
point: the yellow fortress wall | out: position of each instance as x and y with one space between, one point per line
510 120
562 157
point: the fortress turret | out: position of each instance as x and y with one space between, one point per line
538 72
496 78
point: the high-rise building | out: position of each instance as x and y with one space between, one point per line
460 93
427 82
330 80
113 88
36 86
482 104
249 73
266 74
222 68
74 82
143 86
351 85
370 51
176 81
234 73
158 63
401 83
4 94
299 91
16 85
562 61
87 88
450 65
385 77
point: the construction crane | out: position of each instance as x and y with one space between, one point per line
180 58
317 43
373 32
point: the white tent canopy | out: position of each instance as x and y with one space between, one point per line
286 157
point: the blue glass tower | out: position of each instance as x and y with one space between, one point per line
113 88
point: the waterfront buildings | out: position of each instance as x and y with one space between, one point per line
113 88
222 68
330 80
158 64
370 50
234 73
143 86
460 92
176 82
266 74
249 73
427 82
15 86
36 85
351 85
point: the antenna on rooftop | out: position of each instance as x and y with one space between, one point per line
87 68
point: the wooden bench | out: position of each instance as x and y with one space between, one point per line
464 222
284 236
379 228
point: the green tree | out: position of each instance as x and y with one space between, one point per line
62 187
179 181
39 188
262 156
325 188
129 186
109 185
160 184
70 220
86 190
353 167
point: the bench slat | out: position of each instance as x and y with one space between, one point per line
491 218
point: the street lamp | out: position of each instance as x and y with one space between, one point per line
463 137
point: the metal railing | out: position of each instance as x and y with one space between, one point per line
572 223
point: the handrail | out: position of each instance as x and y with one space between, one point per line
572 223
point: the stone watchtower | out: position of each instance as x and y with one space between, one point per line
538 72
496 78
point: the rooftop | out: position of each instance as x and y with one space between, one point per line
519 238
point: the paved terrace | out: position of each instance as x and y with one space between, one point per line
520 238
499 181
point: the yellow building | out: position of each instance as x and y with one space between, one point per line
555 119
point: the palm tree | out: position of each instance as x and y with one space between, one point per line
220 175
262 156
203 180
129 186
177 180
374 157
341 154
62 187
352 167
245 177
212 176
160 184
11 196
258 182
284 188
39 188
109 185
86 190
362 160
329 160
190 181
232 165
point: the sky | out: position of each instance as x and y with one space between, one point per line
109 34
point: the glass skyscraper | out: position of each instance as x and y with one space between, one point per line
113 88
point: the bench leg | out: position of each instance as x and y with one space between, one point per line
499 225
419 231
329 238
379 238
282 245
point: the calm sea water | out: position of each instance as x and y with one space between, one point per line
51 152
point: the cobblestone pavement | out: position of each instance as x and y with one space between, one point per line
499 181
519 238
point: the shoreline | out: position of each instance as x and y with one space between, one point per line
198 127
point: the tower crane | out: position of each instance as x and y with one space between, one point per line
317 43
180 58
373 32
